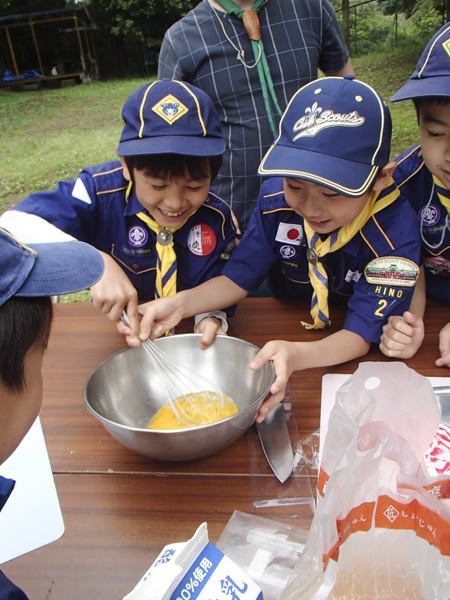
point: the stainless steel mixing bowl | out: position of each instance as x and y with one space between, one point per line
124 392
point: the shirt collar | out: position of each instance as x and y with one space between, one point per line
6 487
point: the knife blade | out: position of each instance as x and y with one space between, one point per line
276 443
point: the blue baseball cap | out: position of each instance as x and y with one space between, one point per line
336 132
170 117
49 269
432 74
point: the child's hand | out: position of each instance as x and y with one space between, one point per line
402 336
284 356
444 347
210 327
114 292
158 316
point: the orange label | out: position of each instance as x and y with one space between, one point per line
428 525
322 482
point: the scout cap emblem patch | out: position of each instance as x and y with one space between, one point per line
392 270
314 121
170 109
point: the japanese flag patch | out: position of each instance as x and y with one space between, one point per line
289 233
201 240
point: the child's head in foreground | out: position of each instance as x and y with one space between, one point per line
429 89
332 151
171 148
28 277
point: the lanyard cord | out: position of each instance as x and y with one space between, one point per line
432 246
251 24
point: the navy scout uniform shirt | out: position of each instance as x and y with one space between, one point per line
415 183
94 209
275 243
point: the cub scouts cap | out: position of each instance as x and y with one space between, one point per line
170 117
336 132
46 269
432 74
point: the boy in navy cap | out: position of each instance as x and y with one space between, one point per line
160 227
423 177
28 277
330 225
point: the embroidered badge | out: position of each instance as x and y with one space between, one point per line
289 233
438 265
201 240
392 270
387 291
317 119
429 215
446 46
353 276
137 236
287 252
170 109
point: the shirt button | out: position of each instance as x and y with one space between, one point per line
135 266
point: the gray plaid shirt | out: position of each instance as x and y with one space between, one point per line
299 36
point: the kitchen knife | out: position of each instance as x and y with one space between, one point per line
276 443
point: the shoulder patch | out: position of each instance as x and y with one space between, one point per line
392 271
80 192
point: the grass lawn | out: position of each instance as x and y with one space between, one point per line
49 135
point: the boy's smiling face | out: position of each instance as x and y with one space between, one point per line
169 201
325 210
434 124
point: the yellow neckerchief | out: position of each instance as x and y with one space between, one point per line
443 193
166 264
318 248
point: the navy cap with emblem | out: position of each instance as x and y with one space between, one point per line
336 132
173 117
432 74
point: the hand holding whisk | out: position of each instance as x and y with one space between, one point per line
182 386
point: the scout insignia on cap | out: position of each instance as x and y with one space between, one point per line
392 270
446 46
314 121
201 240
170 109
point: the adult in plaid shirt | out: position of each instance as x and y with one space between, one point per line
211 49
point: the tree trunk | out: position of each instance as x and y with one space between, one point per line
346 21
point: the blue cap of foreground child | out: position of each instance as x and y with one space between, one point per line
170 117
335 132
432 74
46 269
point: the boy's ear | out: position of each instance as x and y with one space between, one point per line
384 175
126 172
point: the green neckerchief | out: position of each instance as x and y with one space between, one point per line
260 58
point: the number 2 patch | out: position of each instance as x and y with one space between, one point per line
379 311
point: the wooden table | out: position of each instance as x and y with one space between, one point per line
121 508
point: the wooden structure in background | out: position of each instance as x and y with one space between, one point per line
67 22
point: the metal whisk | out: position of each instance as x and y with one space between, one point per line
180 382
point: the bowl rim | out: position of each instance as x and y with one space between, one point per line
183 430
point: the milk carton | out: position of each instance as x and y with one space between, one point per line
194 570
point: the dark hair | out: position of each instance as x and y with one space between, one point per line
439 100
23 323
174 166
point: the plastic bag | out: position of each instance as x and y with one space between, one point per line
382 526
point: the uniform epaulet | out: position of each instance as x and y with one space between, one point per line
408 165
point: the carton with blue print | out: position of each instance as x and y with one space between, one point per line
194 570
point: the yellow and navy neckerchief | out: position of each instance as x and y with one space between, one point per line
318 248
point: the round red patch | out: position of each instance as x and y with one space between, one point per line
292 234
201 240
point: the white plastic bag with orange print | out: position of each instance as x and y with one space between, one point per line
382 526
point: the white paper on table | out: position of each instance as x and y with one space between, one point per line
330 385
32 516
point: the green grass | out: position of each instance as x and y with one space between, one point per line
50 135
